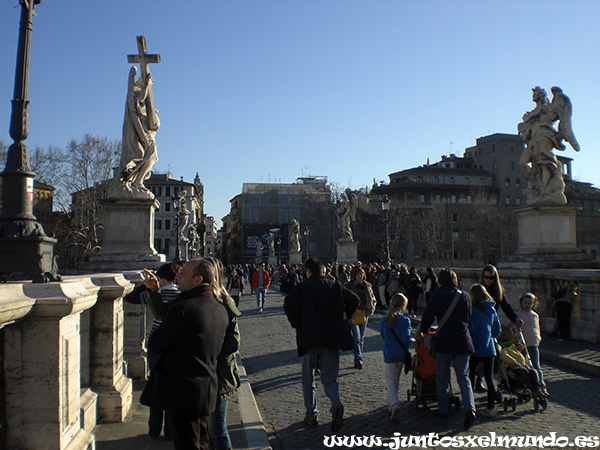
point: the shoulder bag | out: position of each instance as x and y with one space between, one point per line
432 351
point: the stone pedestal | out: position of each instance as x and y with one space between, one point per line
28 256
128 237
347 252
273 260
44 400
107 366
138 324
295 257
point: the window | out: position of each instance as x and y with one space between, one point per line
493 149
467 181
471 217
482 182
294 214
518 201
283 215
507 182
451 180
512 165
456 235
419 179
439 236
454 217
518 182
456 254
421 198
494 165
470 235
157 245
510 235
469 199
167 246
423 254
252 199
167 191
167 224
158 224
436 180
453 199
253 215
471 253
167 207
507 201
265 199
159 191
438 198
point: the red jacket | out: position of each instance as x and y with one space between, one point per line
266 280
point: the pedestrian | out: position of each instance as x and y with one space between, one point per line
485 328
227 370
395 330
189 341
413 290
159 288
261 280
319 309
235 286
431 283
291 280
366 308
532 333
453 344
490 279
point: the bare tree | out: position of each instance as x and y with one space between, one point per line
488 222
431 223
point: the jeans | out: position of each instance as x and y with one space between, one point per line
358 333
328 361
392 374
534 354
488 367
217 427
261 292
461 369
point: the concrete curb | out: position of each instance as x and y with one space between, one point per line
252 423
571 362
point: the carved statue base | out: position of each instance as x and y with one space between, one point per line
547 238
128 237
347 251
273 260
295 257
15 256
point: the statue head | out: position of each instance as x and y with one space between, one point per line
539 94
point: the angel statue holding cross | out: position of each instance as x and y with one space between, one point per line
346 212
140 125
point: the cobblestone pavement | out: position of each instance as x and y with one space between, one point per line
270 358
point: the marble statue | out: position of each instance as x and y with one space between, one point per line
138 153
271 243
346 212
540 164
295 236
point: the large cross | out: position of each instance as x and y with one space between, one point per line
144 60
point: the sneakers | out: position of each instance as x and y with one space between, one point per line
469 419
395 414
337 418
489 412
358 365
312 421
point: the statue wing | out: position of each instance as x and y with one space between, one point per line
353 204
561 105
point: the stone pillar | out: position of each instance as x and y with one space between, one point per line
273 260
107 366
295 257
42 366
138 323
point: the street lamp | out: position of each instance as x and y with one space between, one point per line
279 252
181 214
306 233
385 206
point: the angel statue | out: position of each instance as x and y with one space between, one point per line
295 236
346 213
540 164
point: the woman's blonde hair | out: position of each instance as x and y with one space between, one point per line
398 304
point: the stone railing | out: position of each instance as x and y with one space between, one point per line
64 365
544 283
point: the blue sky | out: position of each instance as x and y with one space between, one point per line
255 91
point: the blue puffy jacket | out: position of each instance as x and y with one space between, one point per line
484 327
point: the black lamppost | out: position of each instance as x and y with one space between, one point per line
279 252
24 247
385 206
306 233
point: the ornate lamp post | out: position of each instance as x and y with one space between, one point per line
279 252
306 234
385 206
24 247
180 213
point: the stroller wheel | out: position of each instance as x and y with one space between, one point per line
543 403
536 404
513 404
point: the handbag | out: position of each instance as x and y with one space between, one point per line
359 317
407 356
432 351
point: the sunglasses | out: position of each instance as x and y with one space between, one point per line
487 277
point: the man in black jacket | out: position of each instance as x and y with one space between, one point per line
316 308
189 340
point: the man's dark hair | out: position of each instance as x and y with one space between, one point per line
315 265
167 271
205 269
447 277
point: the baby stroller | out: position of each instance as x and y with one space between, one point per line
424 371
516 385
